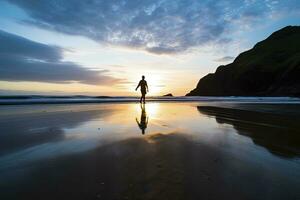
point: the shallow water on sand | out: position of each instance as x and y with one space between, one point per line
156 151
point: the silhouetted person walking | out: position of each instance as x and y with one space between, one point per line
144 119
144 89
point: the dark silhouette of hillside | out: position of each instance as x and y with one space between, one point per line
270 68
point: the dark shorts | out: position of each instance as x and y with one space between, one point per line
143 92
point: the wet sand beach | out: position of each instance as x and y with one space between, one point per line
163 150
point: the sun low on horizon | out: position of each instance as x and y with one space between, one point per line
104 47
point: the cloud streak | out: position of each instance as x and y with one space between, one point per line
225 59
25 60
156 26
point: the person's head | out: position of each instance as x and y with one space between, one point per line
143 77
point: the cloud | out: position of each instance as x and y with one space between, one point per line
225 59
156 26
25 60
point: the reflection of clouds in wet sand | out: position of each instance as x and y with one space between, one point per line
34 129
42 135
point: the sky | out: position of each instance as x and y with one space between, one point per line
103 47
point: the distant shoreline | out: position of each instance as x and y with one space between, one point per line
28 100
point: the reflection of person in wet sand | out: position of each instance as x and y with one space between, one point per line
144 89
144 119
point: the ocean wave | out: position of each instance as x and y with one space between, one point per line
35 99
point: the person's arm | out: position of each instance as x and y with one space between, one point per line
138 85
138 123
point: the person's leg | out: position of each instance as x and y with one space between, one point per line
144 97
141 98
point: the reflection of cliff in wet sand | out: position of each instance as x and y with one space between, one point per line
280 134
